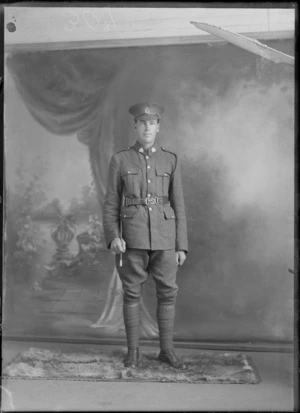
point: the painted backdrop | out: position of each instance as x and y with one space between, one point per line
228 115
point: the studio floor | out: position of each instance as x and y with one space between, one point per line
275 392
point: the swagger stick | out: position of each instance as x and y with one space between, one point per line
121 258
121 234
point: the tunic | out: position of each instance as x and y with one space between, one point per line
137 173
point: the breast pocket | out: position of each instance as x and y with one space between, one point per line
130 178
163 180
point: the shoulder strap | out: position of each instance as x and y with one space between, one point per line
167 150
125 149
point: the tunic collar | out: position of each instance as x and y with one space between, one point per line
150 151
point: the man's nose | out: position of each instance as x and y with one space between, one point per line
147 125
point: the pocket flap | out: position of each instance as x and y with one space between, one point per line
129 212
130 170
169 212
161 171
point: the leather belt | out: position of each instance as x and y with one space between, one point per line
149 200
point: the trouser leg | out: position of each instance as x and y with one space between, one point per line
163 267
133 274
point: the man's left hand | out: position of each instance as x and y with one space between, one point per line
180 257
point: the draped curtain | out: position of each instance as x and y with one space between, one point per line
74 92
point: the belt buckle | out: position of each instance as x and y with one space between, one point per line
151 200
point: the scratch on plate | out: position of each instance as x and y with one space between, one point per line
9 396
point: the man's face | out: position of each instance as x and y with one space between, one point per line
146 131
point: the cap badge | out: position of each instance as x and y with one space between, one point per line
147 110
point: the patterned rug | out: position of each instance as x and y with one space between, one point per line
205 367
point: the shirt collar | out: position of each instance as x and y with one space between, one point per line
151 151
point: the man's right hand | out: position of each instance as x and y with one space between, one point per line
118 245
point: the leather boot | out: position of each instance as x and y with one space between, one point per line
132 358
169 357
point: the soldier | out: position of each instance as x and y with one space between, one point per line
145 196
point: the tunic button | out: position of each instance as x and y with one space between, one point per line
149 181
149 195
148 166
147 157
150 209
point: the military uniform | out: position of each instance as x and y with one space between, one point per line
144 191
137 174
